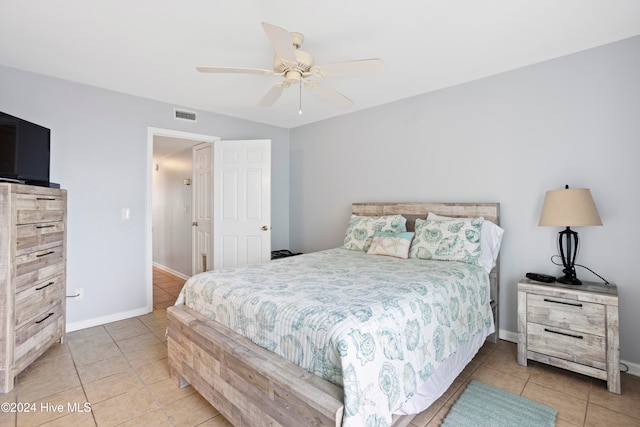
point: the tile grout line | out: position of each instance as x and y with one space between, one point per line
75 367
144 384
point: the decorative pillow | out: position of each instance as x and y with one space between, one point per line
391 244
448 240
362 228
489 242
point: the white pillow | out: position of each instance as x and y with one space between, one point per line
490 242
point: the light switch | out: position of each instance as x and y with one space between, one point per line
125 214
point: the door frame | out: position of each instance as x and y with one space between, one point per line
151 133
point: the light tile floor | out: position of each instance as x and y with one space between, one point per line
166 288
117 375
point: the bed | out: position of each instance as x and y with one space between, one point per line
255 385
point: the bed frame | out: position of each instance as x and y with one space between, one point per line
252 386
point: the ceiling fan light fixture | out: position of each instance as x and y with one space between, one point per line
293 77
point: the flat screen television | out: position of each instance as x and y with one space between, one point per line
24 151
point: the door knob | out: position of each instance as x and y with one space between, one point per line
194 223
265 228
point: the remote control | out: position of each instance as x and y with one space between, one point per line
539 277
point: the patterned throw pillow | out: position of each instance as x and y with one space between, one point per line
362 228
391 244
448 240
489 243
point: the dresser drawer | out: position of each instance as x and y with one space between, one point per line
33 339
574 315
33 208
31 301
37 266
38 236
585 349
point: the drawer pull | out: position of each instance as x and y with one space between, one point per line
564 333
42 287
45 226
45 318
45 254
45 198
575 304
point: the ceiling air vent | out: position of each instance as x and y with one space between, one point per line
184 115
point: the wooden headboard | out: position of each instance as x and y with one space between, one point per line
411 211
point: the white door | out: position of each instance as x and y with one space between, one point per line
202 207
242 203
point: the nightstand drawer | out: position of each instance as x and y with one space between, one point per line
570 327
571 314
573 346
39 236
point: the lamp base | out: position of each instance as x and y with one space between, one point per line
568 245
569 280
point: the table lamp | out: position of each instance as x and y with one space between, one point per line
569 207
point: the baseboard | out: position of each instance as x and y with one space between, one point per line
98 321
632 368
628 367
170 270
503 334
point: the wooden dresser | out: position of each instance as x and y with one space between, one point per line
571 327
33 222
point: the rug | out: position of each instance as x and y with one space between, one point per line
483 405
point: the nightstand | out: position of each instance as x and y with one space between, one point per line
570 327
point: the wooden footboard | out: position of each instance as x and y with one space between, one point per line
249 385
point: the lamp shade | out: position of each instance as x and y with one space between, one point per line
569 207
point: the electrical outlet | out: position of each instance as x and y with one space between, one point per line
80 294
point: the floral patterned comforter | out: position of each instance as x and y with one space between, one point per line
375 325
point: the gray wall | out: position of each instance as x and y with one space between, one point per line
173 212
507 138
100 155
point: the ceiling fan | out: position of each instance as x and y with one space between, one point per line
296 66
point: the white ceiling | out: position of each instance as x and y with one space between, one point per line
150 48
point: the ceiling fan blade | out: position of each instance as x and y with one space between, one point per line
237 70
281 41
272 96
348 68
328 94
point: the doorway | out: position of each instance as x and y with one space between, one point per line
241 210
169 209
